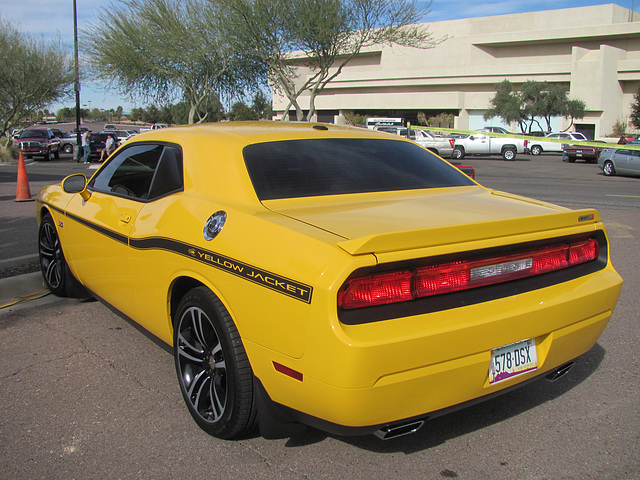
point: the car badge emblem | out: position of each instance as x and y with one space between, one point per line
214 225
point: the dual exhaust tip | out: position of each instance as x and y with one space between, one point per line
395 431
561 371
387 433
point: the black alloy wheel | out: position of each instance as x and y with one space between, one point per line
213 370
52 261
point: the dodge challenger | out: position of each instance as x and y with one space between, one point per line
327 276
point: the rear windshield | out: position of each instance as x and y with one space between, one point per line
308 168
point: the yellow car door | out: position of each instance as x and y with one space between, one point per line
99 228
97 239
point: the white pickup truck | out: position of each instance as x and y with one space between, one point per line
439 145
155 126
481 144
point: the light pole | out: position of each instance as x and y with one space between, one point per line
77 82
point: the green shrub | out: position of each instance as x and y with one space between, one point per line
619 128
7 152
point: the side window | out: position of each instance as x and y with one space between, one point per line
168 175
144 172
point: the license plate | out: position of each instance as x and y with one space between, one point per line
513 360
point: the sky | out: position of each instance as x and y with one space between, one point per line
53 19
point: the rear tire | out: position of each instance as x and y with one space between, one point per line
213 370
509 154
608 169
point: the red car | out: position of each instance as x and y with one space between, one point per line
590 154
39 141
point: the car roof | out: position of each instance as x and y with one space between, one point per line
214 151
258 132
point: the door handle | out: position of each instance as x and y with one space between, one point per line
124 218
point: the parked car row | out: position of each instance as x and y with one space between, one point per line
48 142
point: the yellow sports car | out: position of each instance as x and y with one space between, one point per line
311 274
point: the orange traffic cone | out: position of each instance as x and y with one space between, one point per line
23 192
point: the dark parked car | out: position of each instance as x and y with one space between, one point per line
590 154
39 142
98 141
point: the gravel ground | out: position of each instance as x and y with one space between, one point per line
19 269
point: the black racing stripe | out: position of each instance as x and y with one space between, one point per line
118 237
264 278
270 280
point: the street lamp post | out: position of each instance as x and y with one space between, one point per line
77 82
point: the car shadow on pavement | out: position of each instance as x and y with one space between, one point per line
477 417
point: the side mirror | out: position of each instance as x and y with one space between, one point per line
472 138
76 183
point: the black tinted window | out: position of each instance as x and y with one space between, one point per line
145 172
307 168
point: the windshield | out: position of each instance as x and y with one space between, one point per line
307 168
33 134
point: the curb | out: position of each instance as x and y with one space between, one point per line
20 286
16 261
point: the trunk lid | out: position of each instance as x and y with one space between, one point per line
394 221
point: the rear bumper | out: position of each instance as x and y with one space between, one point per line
375 375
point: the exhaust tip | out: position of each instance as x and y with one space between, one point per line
559 372
387 433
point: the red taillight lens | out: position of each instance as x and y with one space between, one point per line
584 252
442 279
407 285
377 290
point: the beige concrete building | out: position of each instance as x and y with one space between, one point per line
593 51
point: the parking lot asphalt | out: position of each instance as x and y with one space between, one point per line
19 275
87 395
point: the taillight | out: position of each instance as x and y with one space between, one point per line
377 290
406 285
452 142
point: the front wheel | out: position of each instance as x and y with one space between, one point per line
509 154
536 150
68 148
458 153
213 370
608 169
56 272
52 261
